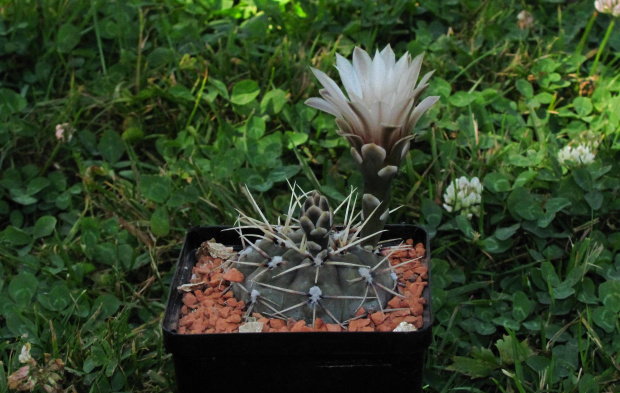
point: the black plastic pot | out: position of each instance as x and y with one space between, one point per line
299 362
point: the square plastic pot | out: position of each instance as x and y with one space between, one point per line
304 361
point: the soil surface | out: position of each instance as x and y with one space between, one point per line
210 307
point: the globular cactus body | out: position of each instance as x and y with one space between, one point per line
312 271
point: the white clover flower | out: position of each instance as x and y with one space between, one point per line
24 356
583 154
591 140
21 379
611 7
383 105
525 20
464 196
64 132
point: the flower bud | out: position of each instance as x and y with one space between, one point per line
611 7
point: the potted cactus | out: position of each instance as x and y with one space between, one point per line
307 272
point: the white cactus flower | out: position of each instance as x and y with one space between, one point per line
611 7
583 154
377 118
464 196
383 98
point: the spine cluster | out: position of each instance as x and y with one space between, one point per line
305 269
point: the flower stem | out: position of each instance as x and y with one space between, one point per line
51 158
373 214
377 174
600 49
586 33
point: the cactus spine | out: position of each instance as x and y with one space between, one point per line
307 270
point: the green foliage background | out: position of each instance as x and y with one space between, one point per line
174 105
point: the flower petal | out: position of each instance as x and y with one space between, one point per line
389 135
355 98
356 156
346 132
329 84
345 127
399 150
348 114
401 111
419 111
388 56
377 73
367 122
361 63
348 76
324 106
413 72
402 64
417 92
354 141
426 77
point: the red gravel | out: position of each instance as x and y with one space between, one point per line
213 309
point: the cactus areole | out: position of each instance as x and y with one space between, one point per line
309 271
